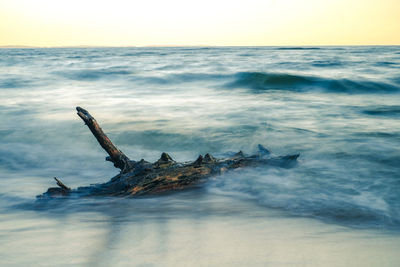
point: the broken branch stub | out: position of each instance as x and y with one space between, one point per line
119 159
62 185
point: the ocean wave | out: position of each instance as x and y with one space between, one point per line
144 53
325 63
387 64
292 82
261 81
331 201
192 77
13 83
179 78
298 48
396 80
93 74
383 111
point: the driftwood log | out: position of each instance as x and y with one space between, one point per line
139 178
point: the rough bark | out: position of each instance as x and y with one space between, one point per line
138 178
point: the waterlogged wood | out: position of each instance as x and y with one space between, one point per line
119 159
139 178
61 185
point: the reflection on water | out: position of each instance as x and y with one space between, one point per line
336 106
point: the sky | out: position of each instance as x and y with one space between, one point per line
207 22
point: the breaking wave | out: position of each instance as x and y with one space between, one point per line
292 82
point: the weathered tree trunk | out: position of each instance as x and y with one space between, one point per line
139 178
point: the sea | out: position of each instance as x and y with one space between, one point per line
338 107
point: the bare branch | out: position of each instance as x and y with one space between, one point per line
119 159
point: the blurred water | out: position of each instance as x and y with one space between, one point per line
339 107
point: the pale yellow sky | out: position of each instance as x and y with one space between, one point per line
206 22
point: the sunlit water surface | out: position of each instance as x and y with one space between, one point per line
339 107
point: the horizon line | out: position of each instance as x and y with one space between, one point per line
200 45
